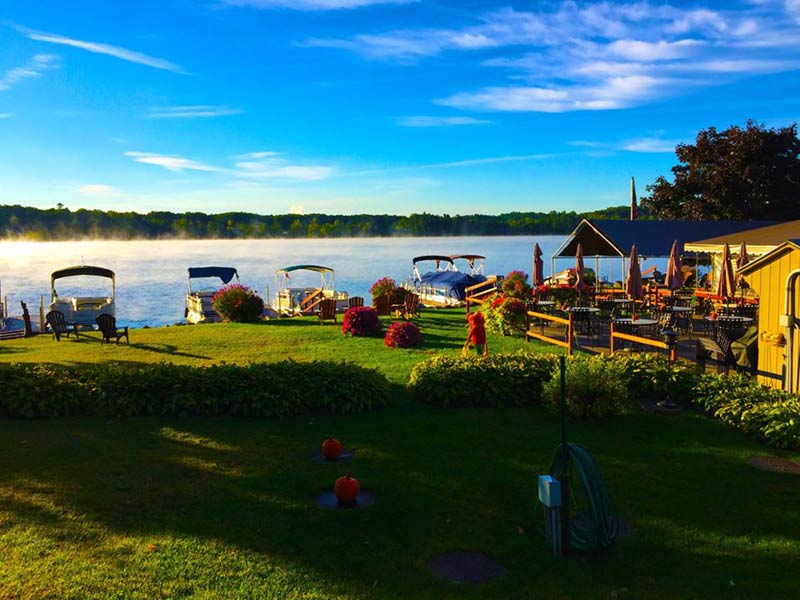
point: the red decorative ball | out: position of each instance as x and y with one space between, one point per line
331 449
346 489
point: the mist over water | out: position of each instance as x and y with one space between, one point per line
152 275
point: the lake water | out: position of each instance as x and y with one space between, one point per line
152 276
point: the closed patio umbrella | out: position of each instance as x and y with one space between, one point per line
726 284
537 277
580 284
674 277
741 262
633 285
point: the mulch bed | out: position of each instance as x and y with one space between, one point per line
776 464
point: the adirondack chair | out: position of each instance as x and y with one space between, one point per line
108 328
382 305
327 310
58 325
355 301
411 306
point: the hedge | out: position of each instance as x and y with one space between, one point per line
125 390
499 379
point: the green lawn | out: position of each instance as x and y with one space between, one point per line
224 507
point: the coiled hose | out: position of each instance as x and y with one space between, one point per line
593 520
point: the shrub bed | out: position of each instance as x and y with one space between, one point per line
596 386
740 401
403 334
649 376
500 379
125 390
361 321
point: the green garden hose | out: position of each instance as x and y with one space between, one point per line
593 521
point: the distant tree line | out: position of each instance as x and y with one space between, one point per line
64 224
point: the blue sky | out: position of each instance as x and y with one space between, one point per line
393 106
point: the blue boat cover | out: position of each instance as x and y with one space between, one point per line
453 282
224 273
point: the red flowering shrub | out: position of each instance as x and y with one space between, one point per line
403 334
237 303
361 321
516 285
505 315
387 285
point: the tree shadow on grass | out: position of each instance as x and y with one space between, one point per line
444 479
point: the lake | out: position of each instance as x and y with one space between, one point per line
152 276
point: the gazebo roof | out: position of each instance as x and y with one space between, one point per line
652 238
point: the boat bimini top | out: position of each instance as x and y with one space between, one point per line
326 275
436 258
82 270
475 262
224 274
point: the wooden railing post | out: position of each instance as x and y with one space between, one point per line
612 338
569 335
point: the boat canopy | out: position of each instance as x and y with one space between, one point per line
81 270
452 283
226 274
435 257
317 268
471 259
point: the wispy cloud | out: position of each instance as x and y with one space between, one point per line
170 161
568 56
31 70
650 145
426 121
455 164
312 4
97 189
6 115
199 111
101 48
270 165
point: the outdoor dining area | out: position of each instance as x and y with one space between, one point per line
661 314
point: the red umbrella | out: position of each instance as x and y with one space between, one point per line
740 263
726 284
633 285
537 277
580 284
674 277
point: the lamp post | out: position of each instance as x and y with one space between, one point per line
668 405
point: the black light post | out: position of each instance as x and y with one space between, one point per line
668 405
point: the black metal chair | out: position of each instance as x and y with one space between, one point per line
109 330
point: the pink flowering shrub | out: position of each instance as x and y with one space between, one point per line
237 303
361 321
515 285
505 315
403 334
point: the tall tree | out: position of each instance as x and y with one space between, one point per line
738 174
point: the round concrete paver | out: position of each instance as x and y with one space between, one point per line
465 567
327 500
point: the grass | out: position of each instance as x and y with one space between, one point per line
224 507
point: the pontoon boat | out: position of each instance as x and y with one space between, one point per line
200 293
295 299
82 310
446 285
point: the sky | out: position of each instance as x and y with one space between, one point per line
375 106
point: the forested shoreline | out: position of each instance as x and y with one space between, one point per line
35 224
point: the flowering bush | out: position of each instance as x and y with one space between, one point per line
361 321
237 303
403 335
505 315
515 285
387 285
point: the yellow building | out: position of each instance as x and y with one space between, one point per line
775 277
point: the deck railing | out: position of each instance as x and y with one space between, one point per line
627 337
310 302
544 317
480 292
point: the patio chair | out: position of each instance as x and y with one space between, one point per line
109 330
665 318
58 325
354 301
382 305
327 310
411 306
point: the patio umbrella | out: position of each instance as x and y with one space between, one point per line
633 285
674 277
741 262
537 277
580 284
726 284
